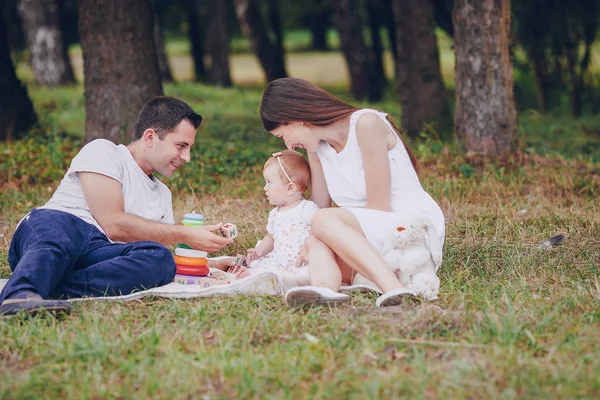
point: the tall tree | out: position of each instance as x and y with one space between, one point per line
217 44
317 19
365 83
485 117
420 85
119 63
375 16
49 56
16 111
270 53
558 39
163 61
390 25
196 35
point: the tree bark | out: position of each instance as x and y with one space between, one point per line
443 15
270 55
390 26
485 118
217 44
49 56
17 115
364 84
119 63
420 85
196 37
163 61
375 13
317 23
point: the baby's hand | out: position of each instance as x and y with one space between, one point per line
253 254
302 257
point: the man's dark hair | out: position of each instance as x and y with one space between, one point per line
163 114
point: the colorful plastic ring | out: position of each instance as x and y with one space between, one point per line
190 253
193 271
183 246
192 222
194 216
191 262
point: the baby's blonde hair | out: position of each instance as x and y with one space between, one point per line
296 167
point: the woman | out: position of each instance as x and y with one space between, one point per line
358 159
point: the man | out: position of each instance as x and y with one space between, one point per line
104 230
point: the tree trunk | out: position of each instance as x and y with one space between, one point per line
317 23
217 44
420 85
270 55
49 57
442 11
542 77
275 25
119 63
16 111
374 13
485 118
163 61
196 37
359 58
390 26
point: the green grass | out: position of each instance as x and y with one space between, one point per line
512 321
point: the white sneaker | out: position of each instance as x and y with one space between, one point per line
313 295
360 284
394 297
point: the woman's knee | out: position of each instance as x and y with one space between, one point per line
321 221
312 243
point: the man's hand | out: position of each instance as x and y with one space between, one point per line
203 238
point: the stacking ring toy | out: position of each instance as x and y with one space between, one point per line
190 261
194 216
192 271
183 246
190 253
193 222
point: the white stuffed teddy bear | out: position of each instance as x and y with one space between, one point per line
416 256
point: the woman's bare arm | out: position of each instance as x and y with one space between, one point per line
318 185
372 134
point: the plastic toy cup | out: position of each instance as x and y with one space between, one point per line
194 216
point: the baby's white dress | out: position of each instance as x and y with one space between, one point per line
289 229
345 177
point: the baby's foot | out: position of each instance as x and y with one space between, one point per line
222 263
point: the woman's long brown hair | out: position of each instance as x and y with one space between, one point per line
292 99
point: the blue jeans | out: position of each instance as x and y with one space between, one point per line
59 255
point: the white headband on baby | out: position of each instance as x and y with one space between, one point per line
278 157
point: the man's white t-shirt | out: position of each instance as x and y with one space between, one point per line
143 195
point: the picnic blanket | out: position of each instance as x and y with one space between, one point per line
263 284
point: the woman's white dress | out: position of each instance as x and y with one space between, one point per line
345 177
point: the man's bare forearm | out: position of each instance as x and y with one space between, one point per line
131 228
